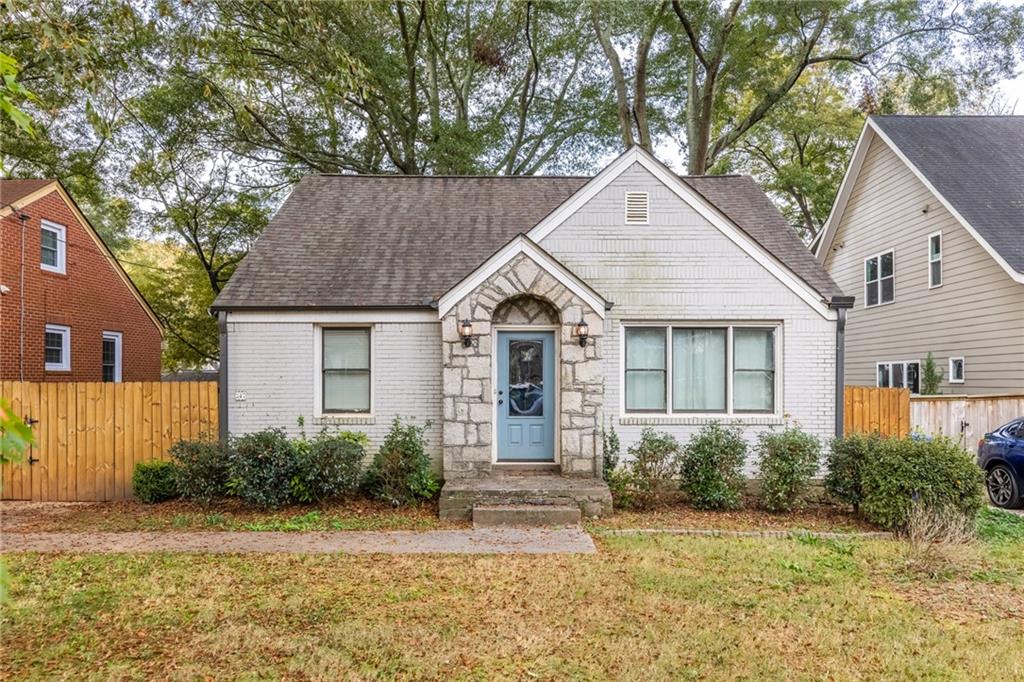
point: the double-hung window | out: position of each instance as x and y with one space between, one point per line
57 348
346 370
880 279
111 357
935 260
704 370
646 368
53 247
899 375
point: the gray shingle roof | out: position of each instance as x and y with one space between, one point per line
343 241
977 164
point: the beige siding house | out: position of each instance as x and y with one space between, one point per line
928 233
522 316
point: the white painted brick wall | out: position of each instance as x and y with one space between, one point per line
681 268
678 268
272 362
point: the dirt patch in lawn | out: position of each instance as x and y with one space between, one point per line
42 517
816 518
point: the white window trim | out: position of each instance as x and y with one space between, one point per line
65 353
117 338
879 280
729 413
62 260
963 365
931 284
899 362
318 378
647 208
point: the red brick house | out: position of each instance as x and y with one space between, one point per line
68 310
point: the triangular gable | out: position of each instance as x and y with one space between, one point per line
522 244
868 134
56 186
698 203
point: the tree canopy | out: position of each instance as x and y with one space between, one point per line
185 124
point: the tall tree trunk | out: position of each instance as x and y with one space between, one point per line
643 126
619 80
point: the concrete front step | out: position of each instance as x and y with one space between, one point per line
525 515
459 496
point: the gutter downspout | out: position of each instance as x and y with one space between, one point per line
21 296
222 377
840 304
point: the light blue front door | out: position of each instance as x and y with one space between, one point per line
525 400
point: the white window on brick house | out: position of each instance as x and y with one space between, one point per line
111 367
899 375
880 279
345 370
637 208
683 369
57 348
956 370
935 260
53 247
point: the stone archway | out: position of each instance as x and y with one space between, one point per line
526 309
520 292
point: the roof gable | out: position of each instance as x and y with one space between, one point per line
759 230
973 165
522 244
27 192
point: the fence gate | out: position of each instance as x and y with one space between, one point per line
90 435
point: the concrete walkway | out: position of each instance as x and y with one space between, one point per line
483 541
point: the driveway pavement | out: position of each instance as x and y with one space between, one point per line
482 541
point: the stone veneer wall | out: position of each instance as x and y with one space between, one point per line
467 429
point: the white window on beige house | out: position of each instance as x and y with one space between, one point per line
956 370
880 279
899 375
934 260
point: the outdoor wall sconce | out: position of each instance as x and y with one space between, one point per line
466 333
582 332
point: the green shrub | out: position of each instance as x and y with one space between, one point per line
329 466
621 486
610 451
653 467
788 460
201 468
899 473
710 467
401 473
261 468
845 461
155 481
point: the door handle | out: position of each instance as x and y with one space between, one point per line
500 401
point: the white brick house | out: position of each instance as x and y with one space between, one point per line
521 315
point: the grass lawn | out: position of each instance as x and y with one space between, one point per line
644 607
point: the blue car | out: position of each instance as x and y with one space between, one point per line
1001 457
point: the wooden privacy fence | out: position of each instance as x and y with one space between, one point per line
965 418
868 409
90 435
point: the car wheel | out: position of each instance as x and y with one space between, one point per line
1002 487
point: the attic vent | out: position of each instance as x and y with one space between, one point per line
637 205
